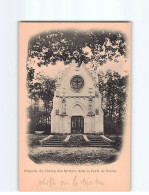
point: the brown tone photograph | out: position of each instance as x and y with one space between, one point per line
77 96
75 85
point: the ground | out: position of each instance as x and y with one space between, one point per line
66 155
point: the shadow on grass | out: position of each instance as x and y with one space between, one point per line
74 156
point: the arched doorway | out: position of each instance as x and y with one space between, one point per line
77 120
77 125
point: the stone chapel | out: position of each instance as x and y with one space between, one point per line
77 102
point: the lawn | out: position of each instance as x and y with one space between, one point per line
66 155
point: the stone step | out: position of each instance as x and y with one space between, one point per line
94 137
53 141
56 139
96 141
93 142
100 141
52 145
99 146
47 145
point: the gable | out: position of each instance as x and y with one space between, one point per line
78 74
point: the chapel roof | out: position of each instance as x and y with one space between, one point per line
92 74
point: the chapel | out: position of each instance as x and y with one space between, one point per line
77 106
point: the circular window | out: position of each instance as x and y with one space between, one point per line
77 83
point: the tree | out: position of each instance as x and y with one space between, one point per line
53 46
41 95
113 88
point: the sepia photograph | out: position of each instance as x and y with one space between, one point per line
77 84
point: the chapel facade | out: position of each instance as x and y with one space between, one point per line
77 107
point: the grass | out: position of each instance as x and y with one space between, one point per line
67 155
33 140
76 156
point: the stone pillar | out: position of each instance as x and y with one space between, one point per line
98 113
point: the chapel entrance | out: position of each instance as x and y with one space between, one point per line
77 125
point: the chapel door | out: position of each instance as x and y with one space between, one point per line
77 124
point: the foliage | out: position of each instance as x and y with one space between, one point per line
76 141
113 88
113 127
117 143
53 46
41 95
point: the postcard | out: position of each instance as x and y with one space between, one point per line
74 106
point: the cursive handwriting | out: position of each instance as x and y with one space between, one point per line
46 182
75 181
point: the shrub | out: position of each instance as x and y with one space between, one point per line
75 141
112 128
117 143
39 127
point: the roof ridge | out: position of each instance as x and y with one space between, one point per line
89 72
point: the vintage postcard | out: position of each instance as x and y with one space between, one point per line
74 106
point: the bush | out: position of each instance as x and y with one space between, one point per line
117 143
39 127
112 128
75 141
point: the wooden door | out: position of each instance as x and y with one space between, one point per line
77 125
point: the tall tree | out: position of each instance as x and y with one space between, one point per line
41 95
113 87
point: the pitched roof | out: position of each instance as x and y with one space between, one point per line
89 72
